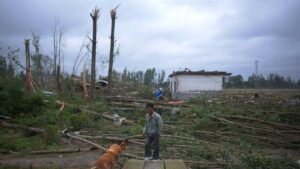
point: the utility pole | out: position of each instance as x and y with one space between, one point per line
113 13
95 16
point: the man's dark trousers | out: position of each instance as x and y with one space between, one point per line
152 139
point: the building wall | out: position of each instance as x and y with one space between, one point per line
195 83
185 96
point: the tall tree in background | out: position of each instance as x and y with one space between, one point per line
57 51
273 80
37 58
3 66
149 77
161 77
55 47
113 13
95 16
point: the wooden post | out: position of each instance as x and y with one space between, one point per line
112 45
94 15
29 85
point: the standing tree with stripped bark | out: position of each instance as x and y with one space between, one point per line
113 14
95 16
57 51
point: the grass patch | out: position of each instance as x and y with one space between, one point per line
12 141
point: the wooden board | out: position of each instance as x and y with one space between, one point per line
134 164
174 164
159 164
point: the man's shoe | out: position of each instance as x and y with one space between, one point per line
148 158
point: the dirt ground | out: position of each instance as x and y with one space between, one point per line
74 160
77 160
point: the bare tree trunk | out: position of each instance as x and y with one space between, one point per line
112 45
36 43
29 85
94 15
57 46
58 78
85 90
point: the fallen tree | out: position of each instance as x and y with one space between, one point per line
104 115
66 150
68 134
112 139
18 126
137 100
279 132
263 121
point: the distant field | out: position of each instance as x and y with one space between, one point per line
266 91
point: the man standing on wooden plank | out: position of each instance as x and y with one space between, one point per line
153 126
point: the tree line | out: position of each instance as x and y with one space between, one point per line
150 77
273 80
41 65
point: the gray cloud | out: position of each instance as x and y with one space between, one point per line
169 34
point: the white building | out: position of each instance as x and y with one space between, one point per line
183 84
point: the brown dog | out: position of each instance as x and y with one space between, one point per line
110 157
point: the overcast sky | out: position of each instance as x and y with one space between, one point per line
223 35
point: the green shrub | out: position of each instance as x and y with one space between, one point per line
28 143
10 95
11 141
50 135
6 144
14 100
145 92
33 103
100 106
79 120
48 117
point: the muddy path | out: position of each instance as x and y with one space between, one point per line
75 160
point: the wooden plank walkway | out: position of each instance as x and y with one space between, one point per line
161 164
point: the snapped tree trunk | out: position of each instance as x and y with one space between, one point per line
94 15
29 85
111 52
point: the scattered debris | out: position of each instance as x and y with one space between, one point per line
118 120
175 110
